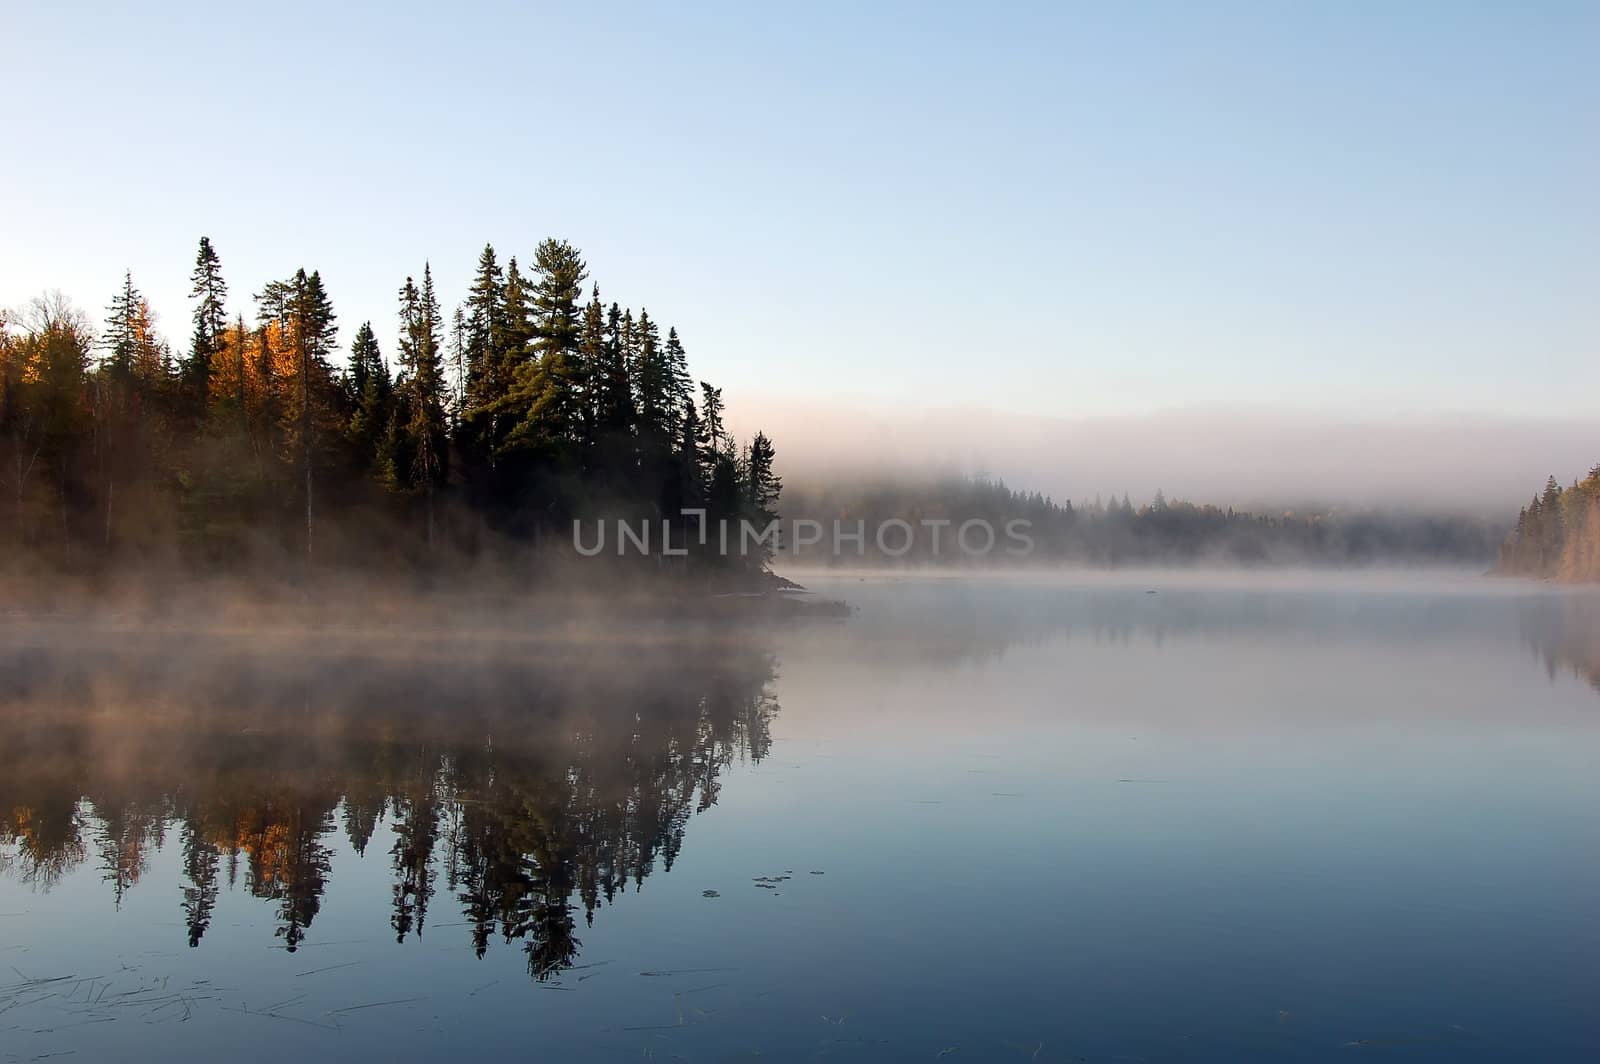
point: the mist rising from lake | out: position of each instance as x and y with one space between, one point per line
1169 816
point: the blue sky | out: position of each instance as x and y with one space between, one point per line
1063 210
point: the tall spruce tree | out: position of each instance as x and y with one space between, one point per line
313 334
614 387
680 386
210 318
653 383
594 370
131 348
370 397
713 433
301 313
487 342
762 484
422 390
517 346
486 328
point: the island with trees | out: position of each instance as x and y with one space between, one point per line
490 430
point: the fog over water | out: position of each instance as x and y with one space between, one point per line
1270 816
1242 455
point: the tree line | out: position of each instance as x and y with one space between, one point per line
531 404
1557 534
1109 533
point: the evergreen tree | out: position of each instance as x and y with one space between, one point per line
713 434
301 315
690 461
654 384
370 396
422 390
133 352
762 485
517 347
1551 526
546 398
561 273
457 387
210 292
312 332
132 372
680 386
486 330
614 398
488 341
547 404
593 365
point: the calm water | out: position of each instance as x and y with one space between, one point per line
1266 819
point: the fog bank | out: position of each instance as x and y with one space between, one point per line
1244 456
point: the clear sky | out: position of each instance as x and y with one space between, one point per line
1057 209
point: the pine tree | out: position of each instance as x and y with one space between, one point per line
713 434
1550 527
133 352
614 401
593 367
724 495
487 344
680 386
654 385
301 314
762 485
313 333
690 461
211 292
457 387
517 347
422 390
133 370
546 397
561 273
486 329
370 396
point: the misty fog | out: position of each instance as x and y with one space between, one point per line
1245 456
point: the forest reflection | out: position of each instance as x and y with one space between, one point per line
522 783
1567 637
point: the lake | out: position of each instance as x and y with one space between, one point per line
1080 818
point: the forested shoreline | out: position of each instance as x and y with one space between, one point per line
1557 535
477 437
532 404
1117 532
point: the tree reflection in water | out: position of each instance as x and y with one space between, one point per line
522 782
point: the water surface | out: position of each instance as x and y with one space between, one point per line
1112 818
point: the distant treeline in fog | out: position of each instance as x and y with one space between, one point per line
1162 531
1558 533
526 407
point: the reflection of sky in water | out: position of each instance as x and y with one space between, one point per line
1212 823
